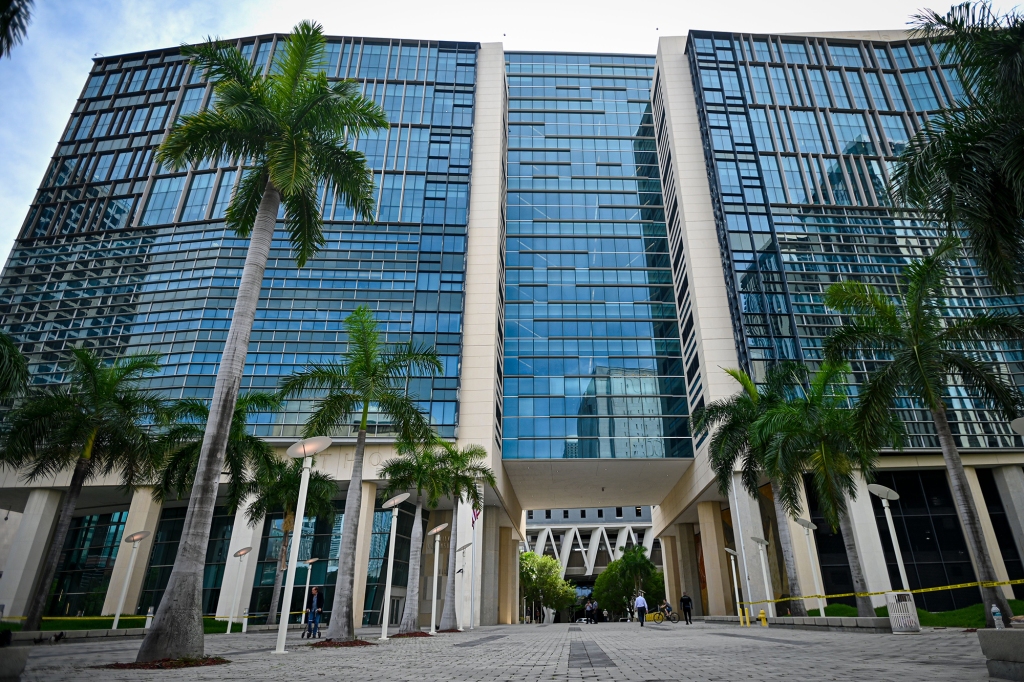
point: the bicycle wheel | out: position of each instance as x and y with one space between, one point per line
658 617
674 617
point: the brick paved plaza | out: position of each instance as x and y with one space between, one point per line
610 651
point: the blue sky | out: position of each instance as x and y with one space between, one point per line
40 83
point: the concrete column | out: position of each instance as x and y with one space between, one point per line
8 529
487 551
747 523
670 557
1010 482
869 543
27 550
362 564
506 580
143 514
689 568
989 533
716 567
242 535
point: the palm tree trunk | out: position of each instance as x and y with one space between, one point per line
177 629
37 604
411 615
796 606
448 619
971 522
282 554
864 607
342 625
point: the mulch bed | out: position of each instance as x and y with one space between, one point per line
456 630
411 634
334 644
169 663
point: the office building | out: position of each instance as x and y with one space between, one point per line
587 239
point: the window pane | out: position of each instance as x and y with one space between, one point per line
198 197
163 200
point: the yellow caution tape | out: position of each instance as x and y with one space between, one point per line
873 594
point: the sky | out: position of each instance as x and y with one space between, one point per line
44 76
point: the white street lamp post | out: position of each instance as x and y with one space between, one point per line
462 590
769 606
238 584
735 582
808 527
385 608
886 494
135 539
304 450
437 550
305 595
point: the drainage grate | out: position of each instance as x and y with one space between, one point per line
588 655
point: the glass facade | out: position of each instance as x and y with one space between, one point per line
592 363
322 541
931 539
117 253
799 134
85 565
165 549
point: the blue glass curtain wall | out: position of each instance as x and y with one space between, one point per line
592 364
798 135
85 565
141 259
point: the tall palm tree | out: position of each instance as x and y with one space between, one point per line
95 425
815 431
964 165
731 419
14 18
419 466
369 375
183 438
13 368
464 473
929 352
293 127
275 485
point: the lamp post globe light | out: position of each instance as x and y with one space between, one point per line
305 595
436 532
240 555
735 581
887 495
385 607
808 527
304 450
769 606
1018 425
135 539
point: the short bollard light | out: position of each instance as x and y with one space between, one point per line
149 617
245 620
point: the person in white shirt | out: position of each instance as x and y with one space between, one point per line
641 608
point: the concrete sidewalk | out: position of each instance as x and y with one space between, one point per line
609 651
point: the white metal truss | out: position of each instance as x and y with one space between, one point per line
624 535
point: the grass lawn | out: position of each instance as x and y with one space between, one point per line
968 617
210 625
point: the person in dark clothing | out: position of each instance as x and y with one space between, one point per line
640 604
588 611
313 613
686 606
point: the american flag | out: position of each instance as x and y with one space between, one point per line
476 515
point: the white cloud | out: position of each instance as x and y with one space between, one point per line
39 84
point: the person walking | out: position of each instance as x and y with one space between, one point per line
588 611
686 606
597 613
313 613
641 608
